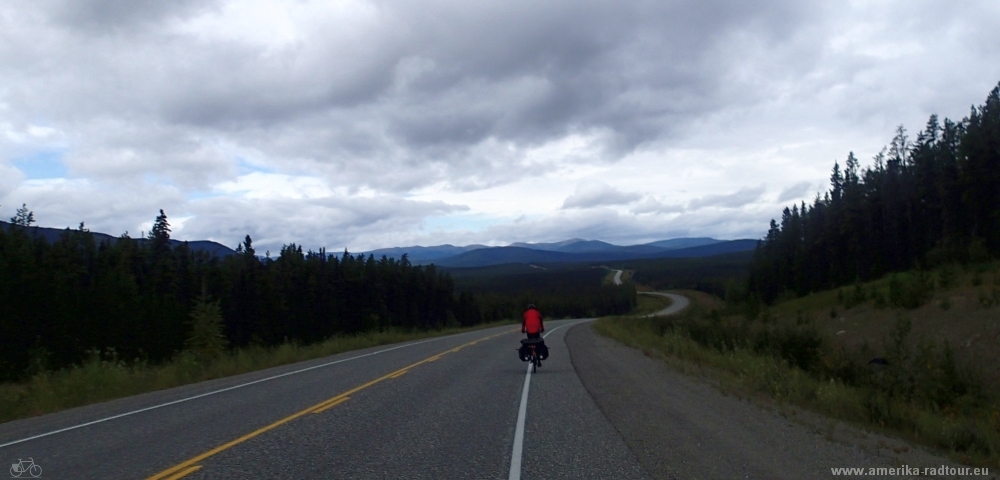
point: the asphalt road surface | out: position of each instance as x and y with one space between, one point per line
461 406
444 408
679 302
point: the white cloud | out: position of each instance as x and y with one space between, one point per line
652 205
258 185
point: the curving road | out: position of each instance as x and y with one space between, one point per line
678 303
461 406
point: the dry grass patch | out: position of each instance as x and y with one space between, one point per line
799 353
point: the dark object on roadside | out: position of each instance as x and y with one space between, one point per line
878 361
525 351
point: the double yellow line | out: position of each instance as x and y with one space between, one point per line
188 467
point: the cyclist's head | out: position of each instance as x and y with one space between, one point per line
531 305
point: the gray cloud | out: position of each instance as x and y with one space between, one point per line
157 103
313 223
652 205
597 194
419 79
109 16
794 192
732 200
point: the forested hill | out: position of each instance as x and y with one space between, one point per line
53 235
931 200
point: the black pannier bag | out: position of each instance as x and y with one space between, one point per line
525 352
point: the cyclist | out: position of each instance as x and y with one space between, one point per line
531 322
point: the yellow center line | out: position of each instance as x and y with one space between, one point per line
336 399
184 472
188 466
331 404
400 374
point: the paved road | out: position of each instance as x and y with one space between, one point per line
618 277
445 408
678 303
461 406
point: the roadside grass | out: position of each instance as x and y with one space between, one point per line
792 354
608 279
105 377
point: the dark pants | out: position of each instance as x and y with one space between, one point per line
535 335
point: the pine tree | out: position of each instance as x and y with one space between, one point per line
206 339
23 217
160 234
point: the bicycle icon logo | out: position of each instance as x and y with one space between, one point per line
25 466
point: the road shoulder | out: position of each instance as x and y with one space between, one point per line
680 426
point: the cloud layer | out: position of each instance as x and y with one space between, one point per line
366 124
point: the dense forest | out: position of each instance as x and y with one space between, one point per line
61 300
148 300
930 201
707 274
559 290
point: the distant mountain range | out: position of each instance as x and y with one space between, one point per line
574 250
52 235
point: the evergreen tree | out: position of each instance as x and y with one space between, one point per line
206 338
928 201
161 230
23 217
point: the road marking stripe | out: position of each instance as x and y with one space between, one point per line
400 374
184 473
172 470
331 404
522 413
327 402
146 409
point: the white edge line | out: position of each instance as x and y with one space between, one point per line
522 413
182 400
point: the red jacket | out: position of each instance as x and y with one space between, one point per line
532 321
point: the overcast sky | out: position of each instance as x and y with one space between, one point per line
367 124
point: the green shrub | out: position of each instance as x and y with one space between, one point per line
946 277
989 297
855 297
206 339
910 291
878 299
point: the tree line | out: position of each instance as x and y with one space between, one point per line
932 200
144 299
563 291
147 299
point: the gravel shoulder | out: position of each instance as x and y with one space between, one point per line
680 426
